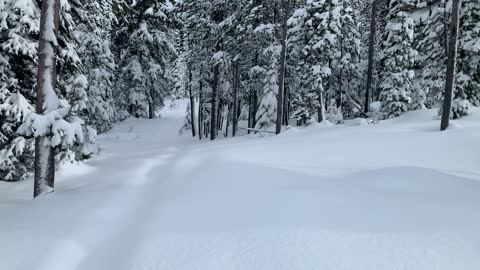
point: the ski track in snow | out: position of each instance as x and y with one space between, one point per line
155 200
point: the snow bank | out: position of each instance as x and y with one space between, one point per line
394 195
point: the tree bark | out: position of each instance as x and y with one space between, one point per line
340 81
451 65
220 115
200 108
236 85
371 51
445 26
44 164
151 111
250 111
229 113
283 63
286 112
254 108
321 110
192 102
213 113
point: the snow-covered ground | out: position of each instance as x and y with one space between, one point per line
394 195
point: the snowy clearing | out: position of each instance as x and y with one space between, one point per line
397 195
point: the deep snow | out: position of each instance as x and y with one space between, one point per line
393 195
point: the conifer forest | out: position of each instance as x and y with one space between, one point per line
239 134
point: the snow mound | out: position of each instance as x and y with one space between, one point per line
377 197
356 122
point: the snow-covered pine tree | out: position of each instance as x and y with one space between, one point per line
19 25
93 34
267 111
398 59
347 70
146 54
304 101
467 91
320 39
432 58
47 125
198 36
21 20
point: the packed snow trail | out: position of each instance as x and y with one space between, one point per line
355 197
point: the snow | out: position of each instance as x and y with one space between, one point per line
394 195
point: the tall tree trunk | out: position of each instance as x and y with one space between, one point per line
340 91
321 110
283 63
151 110
200 108
44 164
229 113
250 111
445 27
254 108
192 102
451 65
220 115
236 86
214 110
286 102
371 52
340 81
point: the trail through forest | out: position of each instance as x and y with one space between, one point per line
155 200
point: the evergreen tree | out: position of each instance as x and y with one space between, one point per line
93 34
399 57
267 112
19 25
321 20
142 82
432 58
347 59
467 91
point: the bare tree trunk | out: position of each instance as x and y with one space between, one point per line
151 110
445 27
250 112
451 65
229 110
321 110
340 91
236 85
221 109
214 110
286 102
192 102
371 52
44 163
255 108
283 63
340 81
200 108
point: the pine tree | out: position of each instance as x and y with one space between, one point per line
94 48
347 61
19 25
146 53
321 20
267 111
399 57
467 91
432 58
